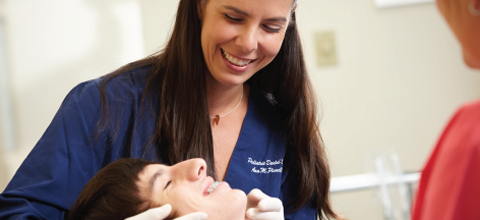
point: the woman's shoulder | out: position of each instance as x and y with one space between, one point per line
472 106
465 120
116 84
115 88
469 111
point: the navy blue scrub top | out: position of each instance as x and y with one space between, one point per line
68 155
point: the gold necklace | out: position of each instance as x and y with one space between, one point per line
217 117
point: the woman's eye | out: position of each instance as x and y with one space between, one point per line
232 18
271 29
168 184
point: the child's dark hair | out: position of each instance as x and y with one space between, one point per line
112 193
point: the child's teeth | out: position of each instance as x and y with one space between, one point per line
214 185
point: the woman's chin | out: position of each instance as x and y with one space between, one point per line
471 61
472 64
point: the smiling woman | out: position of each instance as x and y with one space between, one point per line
230 87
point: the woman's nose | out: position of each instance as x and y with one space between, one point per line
247 39
192 170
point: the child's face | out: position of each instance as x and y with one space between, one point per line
185 186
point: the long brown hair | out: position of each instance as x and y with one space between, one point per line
177 85
112 193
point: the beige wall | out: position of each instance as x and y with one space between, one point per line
52 46
398 79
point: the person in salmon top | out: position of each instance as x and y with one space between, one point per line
449 185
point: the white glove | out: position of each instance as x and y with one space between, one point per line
162 212
263 207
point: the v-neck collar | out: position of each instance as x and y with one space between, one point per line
242 136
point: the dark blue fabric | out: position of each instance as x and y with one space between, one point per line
69 153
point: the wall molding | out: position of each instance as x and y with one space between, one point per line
396 3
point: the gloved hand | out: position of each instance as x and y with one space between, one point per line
263 207
162 212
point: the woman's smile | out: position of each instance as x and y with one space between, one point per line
236 63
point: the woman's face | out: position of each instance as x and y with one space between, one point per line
465 26
240 37
185 186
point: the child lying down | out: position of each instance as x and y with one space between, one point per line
131 186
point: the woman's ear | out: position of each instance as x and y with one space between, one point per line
474 7
200 8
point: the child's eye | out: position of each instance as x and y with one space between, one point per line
168 184
232 18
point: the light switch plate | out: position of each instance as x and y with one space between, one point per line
325 48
